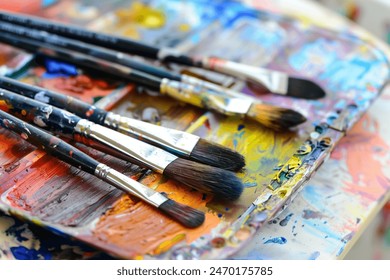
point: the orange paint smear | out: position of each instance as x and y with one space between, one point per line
12 148
362 148
133 228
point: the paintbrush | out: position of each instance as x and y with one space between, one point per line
275 81
271 116
61 150
180 143
207 179
279 119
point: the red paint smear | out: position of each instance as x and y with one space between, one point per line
360 149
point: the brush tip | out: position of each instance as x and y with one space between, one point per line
276 118
303 88
217 155
222 183
185 215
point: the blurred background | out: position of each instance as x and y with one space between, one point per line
374 16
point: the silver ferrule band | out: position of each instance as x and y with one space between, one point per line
274 81
143 153
173 140
217 89
204 98
129 185
165 52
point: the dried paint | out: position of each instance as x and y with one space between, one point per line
264 149
143 15
285 221
58 194
135 228
311 214
276 240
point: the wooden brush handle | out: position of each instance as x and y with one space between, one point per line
43 115
71 104
51 144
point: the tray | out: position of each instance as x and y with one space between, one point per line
41 190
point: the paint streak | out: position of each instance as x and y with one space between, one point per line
56 193
315 255
361 140
310 214
276 240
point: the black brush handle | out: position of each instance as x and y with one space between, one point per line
126 73
71 104
43 115
99 39
51 144
88 49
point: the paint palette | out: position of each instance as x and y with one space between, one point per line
69 202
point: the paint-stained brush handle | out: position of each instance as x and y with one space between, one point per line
56 147
67 124
172 140
43 115
51 144
69 103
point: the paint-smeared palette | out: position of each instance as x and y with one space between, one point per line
46 192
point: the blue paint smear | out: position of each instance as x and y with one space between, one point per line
352 74
22 253
285 221
314 255
56 69
250 184
276 240
321 48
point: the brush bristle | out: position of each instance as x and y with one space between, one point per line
217 155
276 118
306 89
204 178
183 214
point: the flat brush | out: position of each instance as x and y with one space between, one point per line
275 81
207 179
195 95
177 142
270 116
183 214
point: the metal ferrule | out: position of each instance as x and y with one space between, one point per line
217 89
129 185
274 81
163 53
204 98
174 140
141 153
